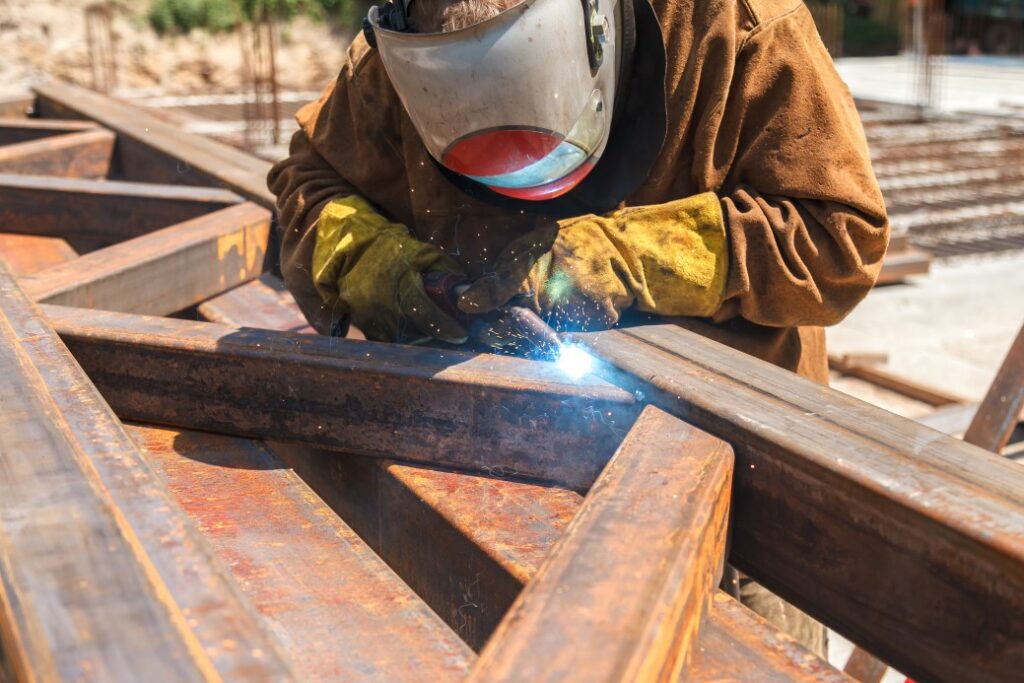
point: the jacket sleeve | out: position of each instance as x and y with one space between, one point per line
337 152
805 219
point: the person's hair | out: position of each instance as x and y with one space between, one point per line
434 16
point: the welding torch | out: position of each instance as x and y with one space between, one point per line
510 329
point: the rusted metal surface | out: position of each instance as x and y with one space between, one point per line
1000 410
864 667
624 593
264 303
338 612
102 576
16 105
476 412
468 544
738 646
17 130
75 155
28 254
866 489
100 212
166 270
152 150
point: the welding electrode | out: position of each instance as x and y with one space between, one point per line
510 329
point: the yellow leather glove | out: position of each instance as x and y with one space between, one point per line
374 268
668 259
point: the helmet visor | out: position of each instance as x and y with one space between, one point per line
513 102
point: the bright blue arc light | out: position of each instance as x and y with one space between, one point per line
573 361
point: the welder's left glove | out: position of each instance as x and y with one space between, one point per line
581 273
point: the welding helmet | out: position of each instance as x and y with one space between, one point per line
521 102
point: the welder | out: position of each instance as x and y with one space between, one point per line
693 159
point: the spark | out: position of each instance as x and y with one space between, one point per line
573 361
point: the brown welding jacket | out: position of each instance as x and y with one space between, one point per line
755 113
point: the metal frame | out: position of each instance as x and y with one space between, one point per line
907 541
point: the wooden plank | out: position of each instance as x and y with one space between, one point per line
75 155
1000 410
28 254
474 412
340 614
623 594
468 544
14 130
909 542
105 212
166 270
893 382
152 150
264 301
101 576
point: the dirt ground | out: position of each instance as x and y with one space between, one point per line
46 39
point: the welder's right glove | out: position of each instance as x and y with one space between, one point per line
669 259
374 268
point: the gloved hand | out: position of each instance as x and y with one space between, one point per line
375 268
668 259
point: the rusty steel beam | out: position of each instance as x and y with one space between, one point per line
150 149
624 592
97 211
910 542
264 302
16 105
101 575
16 130
339 613
468 544
475 412
28 254
1000 411
75 155
164 271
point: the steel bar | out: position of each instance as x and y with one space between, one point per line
623 594
468 544
166 270
474 412
102 212
1000 410
28 254
865 490
16 104
263 303
16 130
152 150
75 155
339 613
893 382
102 575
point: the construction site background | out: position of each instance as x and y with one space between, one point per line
46 39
